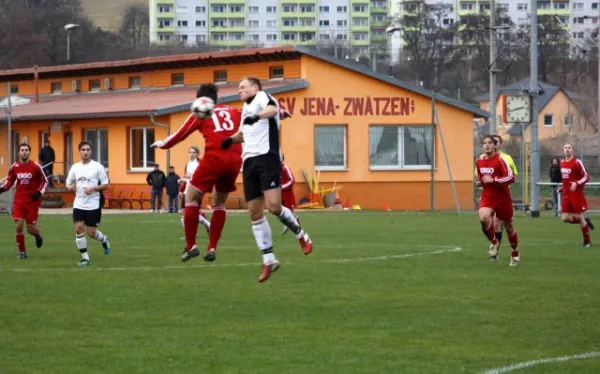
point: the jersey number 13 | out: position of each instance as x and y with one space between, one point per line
224 123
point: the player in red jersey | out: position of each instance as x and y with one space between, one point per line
219 169
31 184
494 174
288 199
574 204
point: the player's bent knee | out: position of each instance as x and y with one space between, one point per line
91 232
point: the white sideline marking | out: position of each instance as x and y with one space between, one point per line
523 365
170 267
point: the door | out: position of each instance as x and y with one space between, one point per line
68 151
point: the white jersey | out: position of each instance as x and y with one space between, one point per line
83 176
263 136
190 168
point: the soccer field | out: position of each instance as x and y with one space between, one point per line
381 293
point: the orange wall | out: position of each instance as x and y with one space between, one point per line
162 78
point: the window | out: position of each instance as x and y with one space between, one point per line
182 23
218 36
341 36
307 8
14 89
200 38
164 23
253 37
360 35
200 23
543 5
307 22
288 36
381 18
236 36
135 82
342 22
275 72
272 23
271 37
569 119
324 36
98 138
548 120
164 9
324 9
324 22
400 147
577 5
141 155
306 36
236 8
252 9
561 5
360 8
360 22
289 8
522 6
182 9
253 24
290 22
94 85
330 147
594 5
342 9
164 37
220 76
56 88
219 22
271 9
218 8
44 137
200 9
236 22
176 79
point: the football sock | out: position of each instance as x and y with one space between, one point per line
287 218
100 236
513 238
190 220
21 242
585 230
488 231
217 222
514 253
575 220
499 236
263 236
204 221
81 243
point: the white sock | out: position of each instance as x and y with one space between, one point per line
287 218
204 221
264 241
81 243
100 236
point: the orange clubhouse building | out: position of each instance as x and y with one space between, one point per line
368 132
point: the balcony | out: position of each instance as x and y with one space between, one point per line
364 42
227 2
165 15
228 43
227 14
298 28
360 27
165 29
379 23
375 10
379 38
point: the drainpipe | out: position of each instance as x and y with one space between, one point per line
168 129
36 83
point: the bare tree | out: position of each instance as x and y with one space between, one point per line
135 27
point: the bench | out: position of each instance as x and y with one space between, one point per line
125 195
145 195
239 199
109 197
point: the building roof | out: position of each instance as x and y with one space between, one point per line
138 103
541 100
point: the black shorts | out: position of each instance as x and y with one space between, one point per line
91 218
261 173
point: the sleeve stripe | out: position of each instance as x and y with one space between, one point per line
509 171
45 180
585 174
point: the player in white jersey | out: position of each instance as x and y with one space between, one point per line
88 179
261 155
190 168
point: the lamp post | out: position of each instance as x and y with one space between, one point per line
68 28
390 30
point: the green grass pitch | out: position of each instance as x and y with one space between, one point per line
381 293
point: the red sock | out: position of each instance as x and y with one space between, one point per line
513 240
514 253
488 231
575 220
217 222
190 223
21 242
36 233
585 230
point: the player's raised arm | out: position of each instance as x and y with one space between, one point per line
10 180
586 177
507 176
191 124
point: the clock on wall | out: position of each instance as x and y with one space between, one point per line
517 108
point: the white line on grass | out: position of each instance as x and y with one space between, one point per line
523 365
170 267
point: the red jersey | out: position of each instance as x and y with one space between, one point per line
573 171
29 178
225 122
498 169
287 178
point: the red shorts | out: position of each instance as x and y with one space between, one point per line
288 199
27 211
573 202
502 209
218 172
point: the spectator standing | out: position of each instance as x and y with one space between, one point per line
47 156
555 177
157 179
172 186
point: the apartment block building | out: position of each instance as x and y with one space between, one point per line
238 23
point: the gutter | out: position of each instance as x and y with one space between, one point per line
168 129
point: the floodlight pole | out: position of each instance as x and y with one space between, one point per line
493 96
533 92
